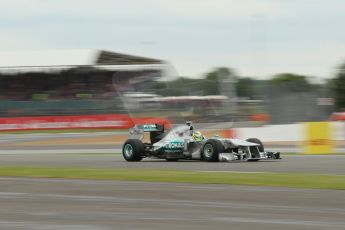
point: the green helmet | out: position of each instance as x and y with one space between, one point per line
197 136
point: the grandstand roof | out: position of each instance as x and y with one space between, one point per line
65 59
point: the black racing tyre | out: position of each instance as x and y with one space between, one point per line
133 149
255 149
211 149
171 159
253 160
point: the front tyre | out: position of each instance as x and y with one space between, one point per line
211 149
132 150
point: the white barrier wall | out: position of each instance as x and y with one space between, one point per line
290 132
294 137
338 131
273 133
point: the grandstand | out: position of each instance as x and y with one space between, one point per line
72 82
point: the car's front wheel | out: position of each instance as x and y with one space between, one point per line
133 150
211 149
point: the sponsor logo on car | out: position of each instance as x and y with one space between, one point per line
174 146
150 127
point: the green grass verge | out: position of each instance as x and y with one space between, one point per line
293 180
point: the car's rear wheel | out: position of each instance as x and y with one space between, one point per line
171 159
211 149
255 150
133 150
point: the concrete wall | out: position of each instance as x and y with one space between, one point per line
292 137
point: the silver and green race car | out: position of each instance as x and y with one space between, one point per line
182 142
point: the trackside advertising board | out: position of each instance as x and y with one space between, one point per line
111 121
319 138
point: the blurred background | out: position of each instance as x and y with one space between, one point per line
124 84
75 75
251 62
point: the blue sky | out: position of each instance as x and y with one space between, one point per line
256 38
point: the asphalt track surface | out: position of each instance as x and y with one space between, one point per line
105 142
85 204
92 205
64 150
333 164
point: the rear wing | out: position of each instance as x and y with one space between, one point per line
153 128
137 132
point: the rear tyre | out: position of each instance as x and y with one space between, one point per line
253 160
133 150
171 159
255 150
211 149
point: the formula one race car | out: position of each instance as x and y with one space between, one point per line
182 142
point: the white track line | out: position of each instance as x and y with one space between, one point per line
229 172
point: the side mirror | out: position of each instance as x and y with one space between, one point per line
191 130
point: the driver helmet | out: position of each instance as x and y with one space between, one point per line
197 136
